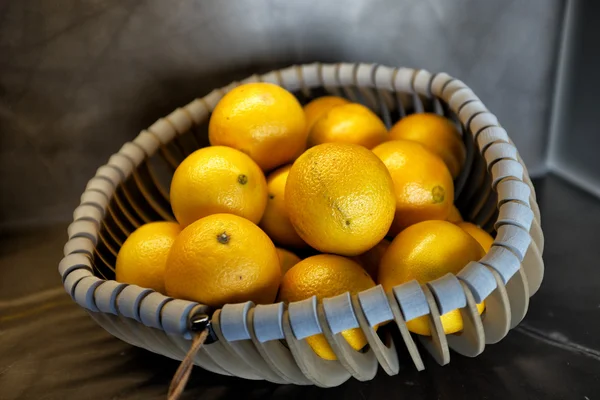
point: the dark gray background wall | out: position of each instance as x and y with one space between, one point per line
79 78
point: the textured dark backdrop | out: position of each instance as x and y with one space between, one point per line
79 78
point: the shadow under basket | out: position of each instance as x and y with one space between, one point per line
267 341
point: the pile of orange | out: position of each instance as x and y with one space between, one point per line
369 205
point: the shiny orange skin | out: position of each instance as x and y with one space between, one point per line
350 123
275 221
482 237
340 198
437 133
423 186
142 259
218 179
262 120
318 107
220 259
371 259
287 259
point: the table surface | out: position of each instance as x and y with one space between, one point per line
51 349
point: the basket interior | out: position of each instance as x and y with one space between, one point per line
144 196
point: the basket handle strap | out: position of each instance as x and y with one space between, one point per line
182 374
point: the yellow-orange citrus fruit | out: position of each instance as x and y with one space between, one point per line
435 132
218 179
424 252
319 106
454 215
287 259
423 186
143 257
349 123
275 221
482 237
340 198
370 259
326 275
262 120
223 259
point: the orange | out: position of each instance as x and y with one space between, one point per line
319 106
287 259
340 198
424 252
215 180
275 221
223 259
262 120
349 123
326 275
482 237
437 133
422 184
143 257
454 215
370 260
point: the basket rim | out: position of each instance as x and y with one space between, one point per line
519 214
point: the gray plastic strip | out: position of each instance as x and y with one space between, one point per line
422 83
491 135
512 190
122 163
339 312
503 261
267 322
147 142
101 185
375 305
84 292
83 228
460 97
106 295
198 111
311 75
213 98
303 318
151 307
383 78
233 321
73 262
135 153
506 169
514 238
411 299
181 121
439 82
88 212
403 80
480 122
290 78
479 280
73 278
453 86
94 198
79 245
110 173
128 301
513 213
470 110
163 130
499 151
448 293
175 317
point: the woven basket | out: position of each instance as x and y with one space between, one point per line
266 341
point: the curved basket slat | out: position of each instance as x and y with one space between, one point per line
268 342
